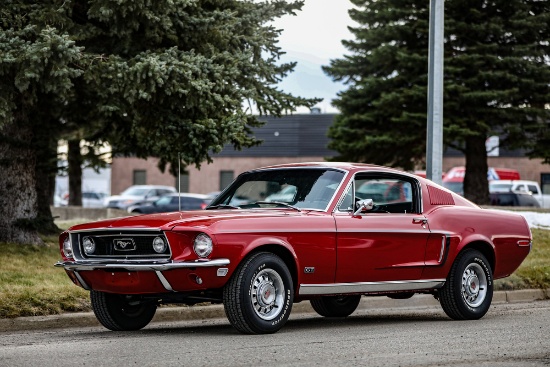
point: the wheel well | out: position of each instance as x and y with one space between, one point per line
485 249
285 255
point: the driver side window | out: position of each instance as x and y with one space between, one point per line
390 194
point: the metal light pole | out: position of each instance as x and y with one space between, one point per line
434 142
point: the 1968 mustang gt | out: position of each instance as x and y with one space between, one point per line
324 232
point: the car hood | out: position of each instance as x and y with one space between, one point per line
196 218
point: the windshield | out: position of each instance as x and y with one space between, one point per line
303 188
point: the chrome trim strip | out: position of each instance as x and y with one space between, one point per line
412 231
370 287
140 266
107 229
164 281
118 229
443 244
81 281
129 234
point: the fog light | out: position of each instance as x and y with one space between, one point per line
159 245
202 245
88 245
68 247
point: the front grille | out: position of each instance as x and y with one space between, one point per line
122 244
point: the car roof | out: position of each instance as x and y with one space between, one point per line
345 166
154 187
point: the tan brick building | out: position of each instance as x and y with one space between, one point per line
295 138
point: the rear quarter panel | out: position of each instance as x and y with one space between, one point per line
497 231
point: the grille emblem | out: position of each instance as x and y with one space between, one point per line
124 244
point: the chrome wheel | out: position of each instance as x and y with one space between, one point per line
474 285
259 295
468 290
267 294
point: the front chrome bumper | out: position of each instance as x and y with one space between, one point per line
137 266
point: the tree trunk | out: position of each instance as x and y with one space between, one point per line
75 173
476 185
18 197
44 143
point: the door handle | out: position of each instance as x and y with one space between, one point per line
420 221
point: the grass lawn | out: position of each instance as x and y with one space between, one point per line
30 285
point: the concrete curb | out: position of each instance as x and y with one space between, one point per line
185 313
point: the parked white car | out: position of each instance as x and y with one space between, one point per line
137 194
531 187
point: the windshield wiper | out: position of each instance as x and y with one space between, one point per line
222 206
279 203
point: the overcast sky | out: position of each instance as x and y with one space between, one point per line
312 38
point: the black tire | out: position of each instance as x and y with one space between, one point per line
406 295
258 298
335 306
116 311
468 291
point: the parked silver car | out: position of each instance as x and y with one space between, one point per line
173 203
137 194
91 199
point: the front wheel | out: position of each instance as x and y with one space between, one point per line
335 306
468 291
119 312
258 297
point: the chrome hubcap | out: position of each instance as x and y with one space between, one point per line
474 285
267 294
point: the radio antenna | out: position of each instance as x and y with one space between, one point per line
179 182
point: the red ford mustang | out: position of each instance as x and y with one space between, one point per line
324 232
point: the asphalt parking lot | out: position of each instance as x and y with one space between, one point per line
204 312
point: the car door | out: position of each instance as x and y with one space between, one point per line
387 243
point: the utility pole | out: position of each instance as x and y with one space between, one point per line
434 142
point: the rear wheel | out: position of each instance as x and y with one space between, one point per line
119 312
468 291
258 297
335 306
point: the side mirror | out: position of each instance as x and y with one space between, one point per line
363 206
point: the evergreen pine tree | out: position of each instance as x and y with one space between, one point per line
152 78
496 77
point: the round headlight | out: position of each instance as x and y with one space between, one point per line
202 245
159 245
67 247
88 245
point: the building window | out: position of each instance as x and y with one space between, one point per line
140 177
545 183
184 179
226 177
